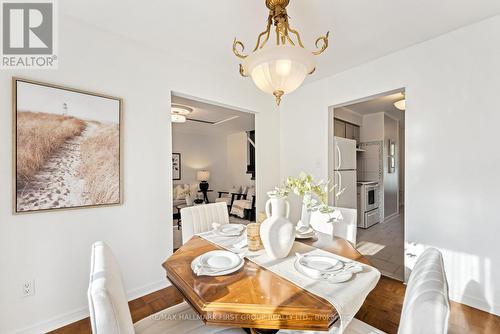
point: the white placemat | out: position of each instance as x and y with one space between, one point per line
347 297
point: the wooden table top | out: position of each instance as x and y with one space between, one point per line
254 297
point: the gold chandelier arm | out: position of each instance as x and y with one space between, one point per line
237 43
242 71
323 39
266 32
288 37
296 33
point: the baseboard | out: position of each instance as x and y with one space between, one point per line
478 303
82 313
395 214
56 322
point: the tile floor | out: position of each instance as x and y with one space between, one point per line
383 245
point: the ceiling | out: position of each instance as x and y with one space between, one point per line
231 121
379 104
361 30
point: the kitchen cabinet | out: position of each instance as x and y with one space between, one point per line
346 130
349 131
339 128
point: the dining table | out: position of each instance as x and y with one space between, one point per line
254 298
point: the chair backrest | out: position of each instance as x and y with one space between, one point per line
342 223
109 311
426 307
199 218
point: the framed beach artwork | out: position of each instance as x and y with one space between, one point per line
176 166
67 148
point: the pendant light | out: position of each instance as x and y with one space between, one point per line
282 68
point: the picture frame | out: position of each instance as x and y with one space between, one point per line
176 166
67 148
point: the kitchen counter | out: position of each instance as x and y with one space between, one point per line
366 182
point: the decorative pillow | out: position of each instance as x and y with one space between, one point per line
182 190
193 189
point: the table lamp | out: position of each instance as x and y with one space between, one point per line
203 176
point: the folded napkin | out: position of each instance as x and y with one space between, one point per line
243 241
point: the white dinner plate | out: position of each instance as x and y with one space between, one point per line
320 263
334 277
230 230
304 230
308 235
217 263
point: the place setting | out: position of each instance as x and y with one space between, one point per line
326 268
223 262
304 232
217 263
228 230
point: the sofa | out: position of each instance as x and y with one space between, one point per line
180 193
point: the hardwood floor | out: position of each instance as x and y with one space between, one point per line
381 309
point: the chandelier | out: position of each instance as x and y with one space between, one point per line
281 68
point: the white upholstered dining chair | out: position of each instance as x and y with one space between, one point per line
109 311
199 218
426 306
344 225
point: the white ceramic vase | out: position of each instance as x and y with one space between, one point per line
305 215
277 232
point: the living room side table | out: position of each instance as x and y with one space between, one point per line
205 196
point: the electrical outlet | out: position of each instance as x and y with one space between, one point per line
28 288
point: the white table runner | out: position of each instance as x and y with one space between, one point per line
347 297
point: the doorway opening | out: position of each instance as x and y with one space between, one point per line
367 161
213 159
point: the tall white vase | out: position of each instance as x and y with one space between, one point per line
277 232
305 215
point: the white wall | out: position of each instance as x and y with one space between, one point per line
451 198
236 175
372 128
348 116
201 152
53 248
391 180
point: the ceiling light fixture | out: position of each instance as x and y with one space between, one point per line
281 68
176 118
401 104
181 110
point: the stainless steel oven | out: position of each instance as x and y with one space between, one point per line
371 194
368 204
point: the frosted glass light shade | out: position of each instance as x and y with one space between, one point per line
178 118
203 175
401 105
279 68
